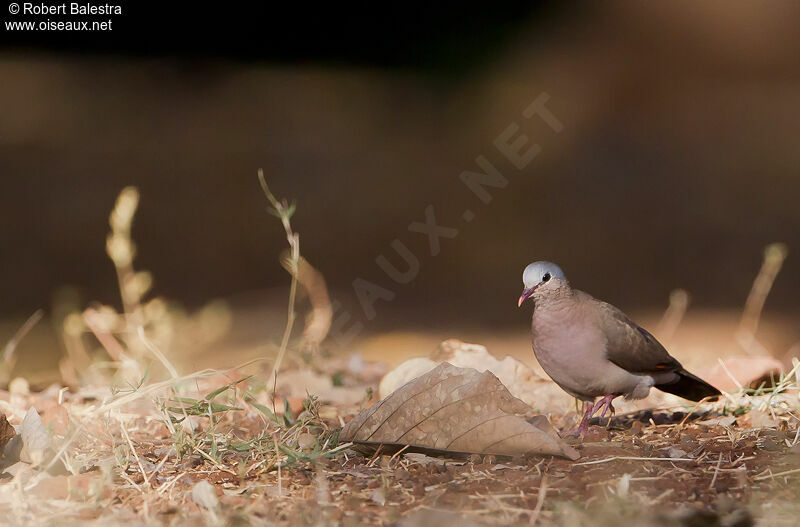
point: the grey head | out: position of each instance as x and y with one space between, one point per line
541 277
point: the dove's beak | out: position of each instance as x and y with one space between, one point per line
525 294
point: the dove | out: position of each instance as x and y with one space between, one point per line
592 349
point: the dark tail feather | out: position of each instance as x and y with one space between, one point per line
690 387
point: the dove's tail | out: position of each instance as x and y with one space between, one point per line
690 387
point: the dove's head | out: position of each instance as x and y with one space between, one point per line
541 278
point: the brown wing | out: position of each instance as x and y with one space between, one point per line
634 349
630 346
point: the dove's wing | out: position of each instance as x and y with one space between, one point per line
629 345
634 349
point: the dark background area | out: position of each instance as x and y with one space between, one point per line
442 38
677 164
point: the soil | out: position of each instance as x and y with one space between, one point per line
667 465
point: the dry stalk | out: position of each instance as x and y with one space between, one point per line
157 352
284 212
774 255
135 454
11 346
668 325
633 458
771 475
716 473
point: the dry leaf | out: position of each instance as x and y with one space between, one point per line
318 322
35 440
457 411
6 432
521 380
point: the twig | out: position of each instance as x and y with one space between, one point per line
630 458
340 447
375 455
770 475
539 501
135 454
169 483
688 414
661 496
716 472
398 453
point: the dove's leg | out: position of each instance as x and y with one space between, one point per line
591 408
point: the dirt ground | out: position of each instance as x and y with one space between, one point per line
641 468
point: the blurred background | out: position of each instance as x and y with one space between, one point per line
677 164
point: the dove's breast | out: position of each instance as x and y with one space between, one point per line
571 350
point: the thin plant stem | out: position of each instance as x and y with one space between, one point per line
284 212
11 347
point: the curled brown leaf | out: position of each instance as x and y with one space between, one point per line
456 411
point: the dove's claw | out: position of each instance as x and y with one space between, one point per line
604 403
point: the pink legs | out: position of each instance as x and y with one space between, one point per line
604 403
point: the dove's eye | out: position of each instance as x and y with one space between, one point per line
546 277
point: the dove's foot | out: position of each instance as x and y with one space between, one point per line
604 403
